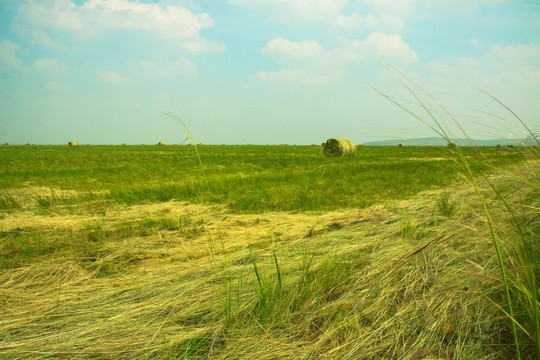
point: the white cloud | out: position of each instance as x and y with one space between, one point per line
172 22
376 45
40 38
283 48
517 52
7 54
111 77
50 65
58 14
510 73
370 21
380 46
98 17
308 62
185 67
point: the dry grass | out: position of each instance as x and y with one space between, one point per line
399 281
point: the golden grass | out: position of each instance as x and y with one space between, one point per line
398 281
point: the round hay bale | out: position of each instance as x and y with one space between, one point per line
73 144
339 147
401 145
5 144
161 143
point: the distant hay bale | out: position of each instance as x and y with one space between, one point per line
339 147
161 143
401 145
123 144
27 144
5 144
452 146
73 144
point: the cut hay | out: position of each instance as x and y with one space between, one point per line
73 144
339 147
394 281
339 297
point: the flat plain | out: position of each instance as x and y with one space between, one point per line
267 252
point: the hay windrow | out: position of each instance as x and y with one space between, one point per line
339 148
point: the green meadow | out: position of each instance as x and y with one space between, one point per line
268 252
244 178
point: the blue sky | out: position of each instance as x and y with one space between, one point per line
262 71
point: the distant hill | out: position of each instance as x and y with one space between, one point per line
439 141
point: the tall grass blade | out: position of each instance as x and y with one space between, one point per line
179 120
262 293
471 172
278 271
531 134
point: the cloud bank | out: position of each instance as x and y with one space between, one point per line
96 18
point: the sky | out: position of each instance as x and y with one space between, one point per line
265 71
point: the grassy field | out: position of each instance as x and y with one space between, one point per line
245 178
266 252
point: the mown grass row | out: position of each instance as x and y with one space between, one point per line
87 246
